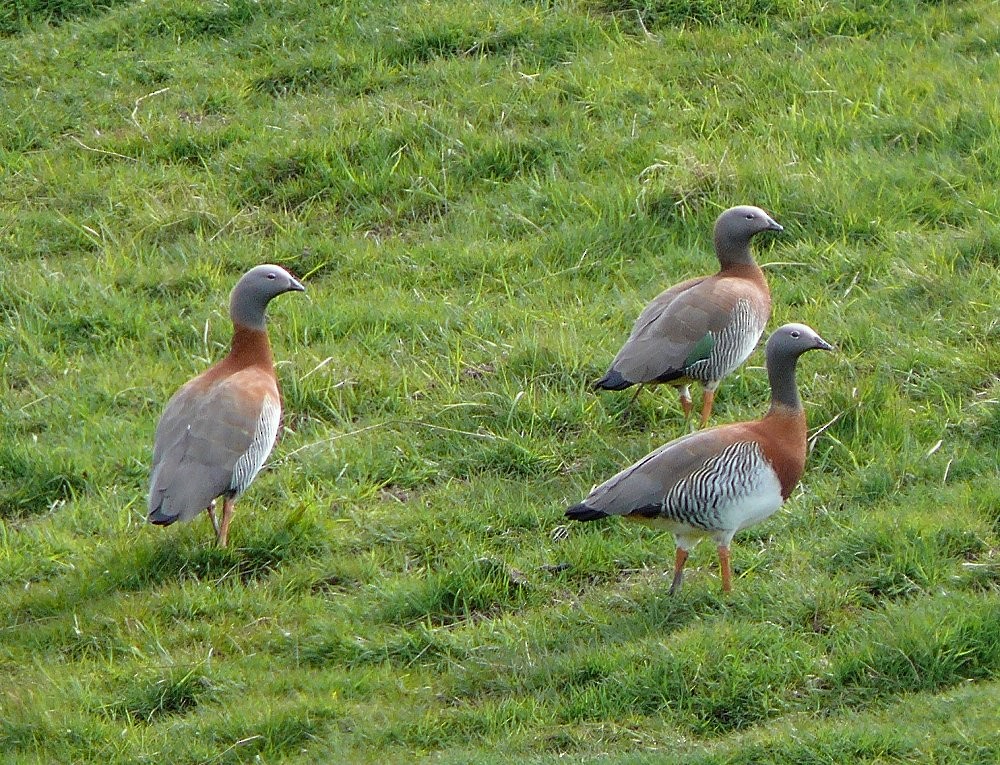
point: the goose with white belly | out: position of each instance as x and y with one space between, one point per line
715 482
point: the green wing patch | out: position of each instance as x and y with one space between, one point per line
701 350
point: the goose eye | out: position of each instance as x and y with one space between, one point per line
795 333
272 277
750 216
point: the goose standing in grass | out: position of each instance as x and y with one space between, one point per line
218 429
715 482
702 329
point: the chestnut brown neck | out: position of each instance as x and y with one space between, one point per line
749 271
250 348
784 443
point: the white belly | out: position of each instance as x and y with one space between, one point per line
759 504
759 498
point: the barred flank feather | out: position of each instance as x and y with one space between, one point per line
252 460
734 473
733 344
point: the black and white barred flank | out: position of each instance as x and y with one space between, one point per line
733 345
252 460
702 497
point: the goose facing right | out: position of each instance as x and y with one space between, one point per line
702 329
715 482
218 429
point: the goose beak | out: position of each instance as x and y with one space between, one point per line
823 345
296 286
773 225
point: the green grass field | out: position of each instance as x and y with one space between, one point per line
480 197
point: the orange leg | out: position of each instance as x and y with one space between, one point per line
227 517
211 517
727 574
686 404
706 406
680 557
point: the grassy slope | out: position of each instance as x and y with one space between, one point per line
481 196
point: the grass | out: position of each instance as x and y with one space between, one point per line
480 198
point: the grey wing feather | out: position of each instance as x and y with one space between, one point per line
649 480
671 327
661 303
199 442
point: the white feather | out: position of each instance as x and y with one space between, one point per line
252 460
